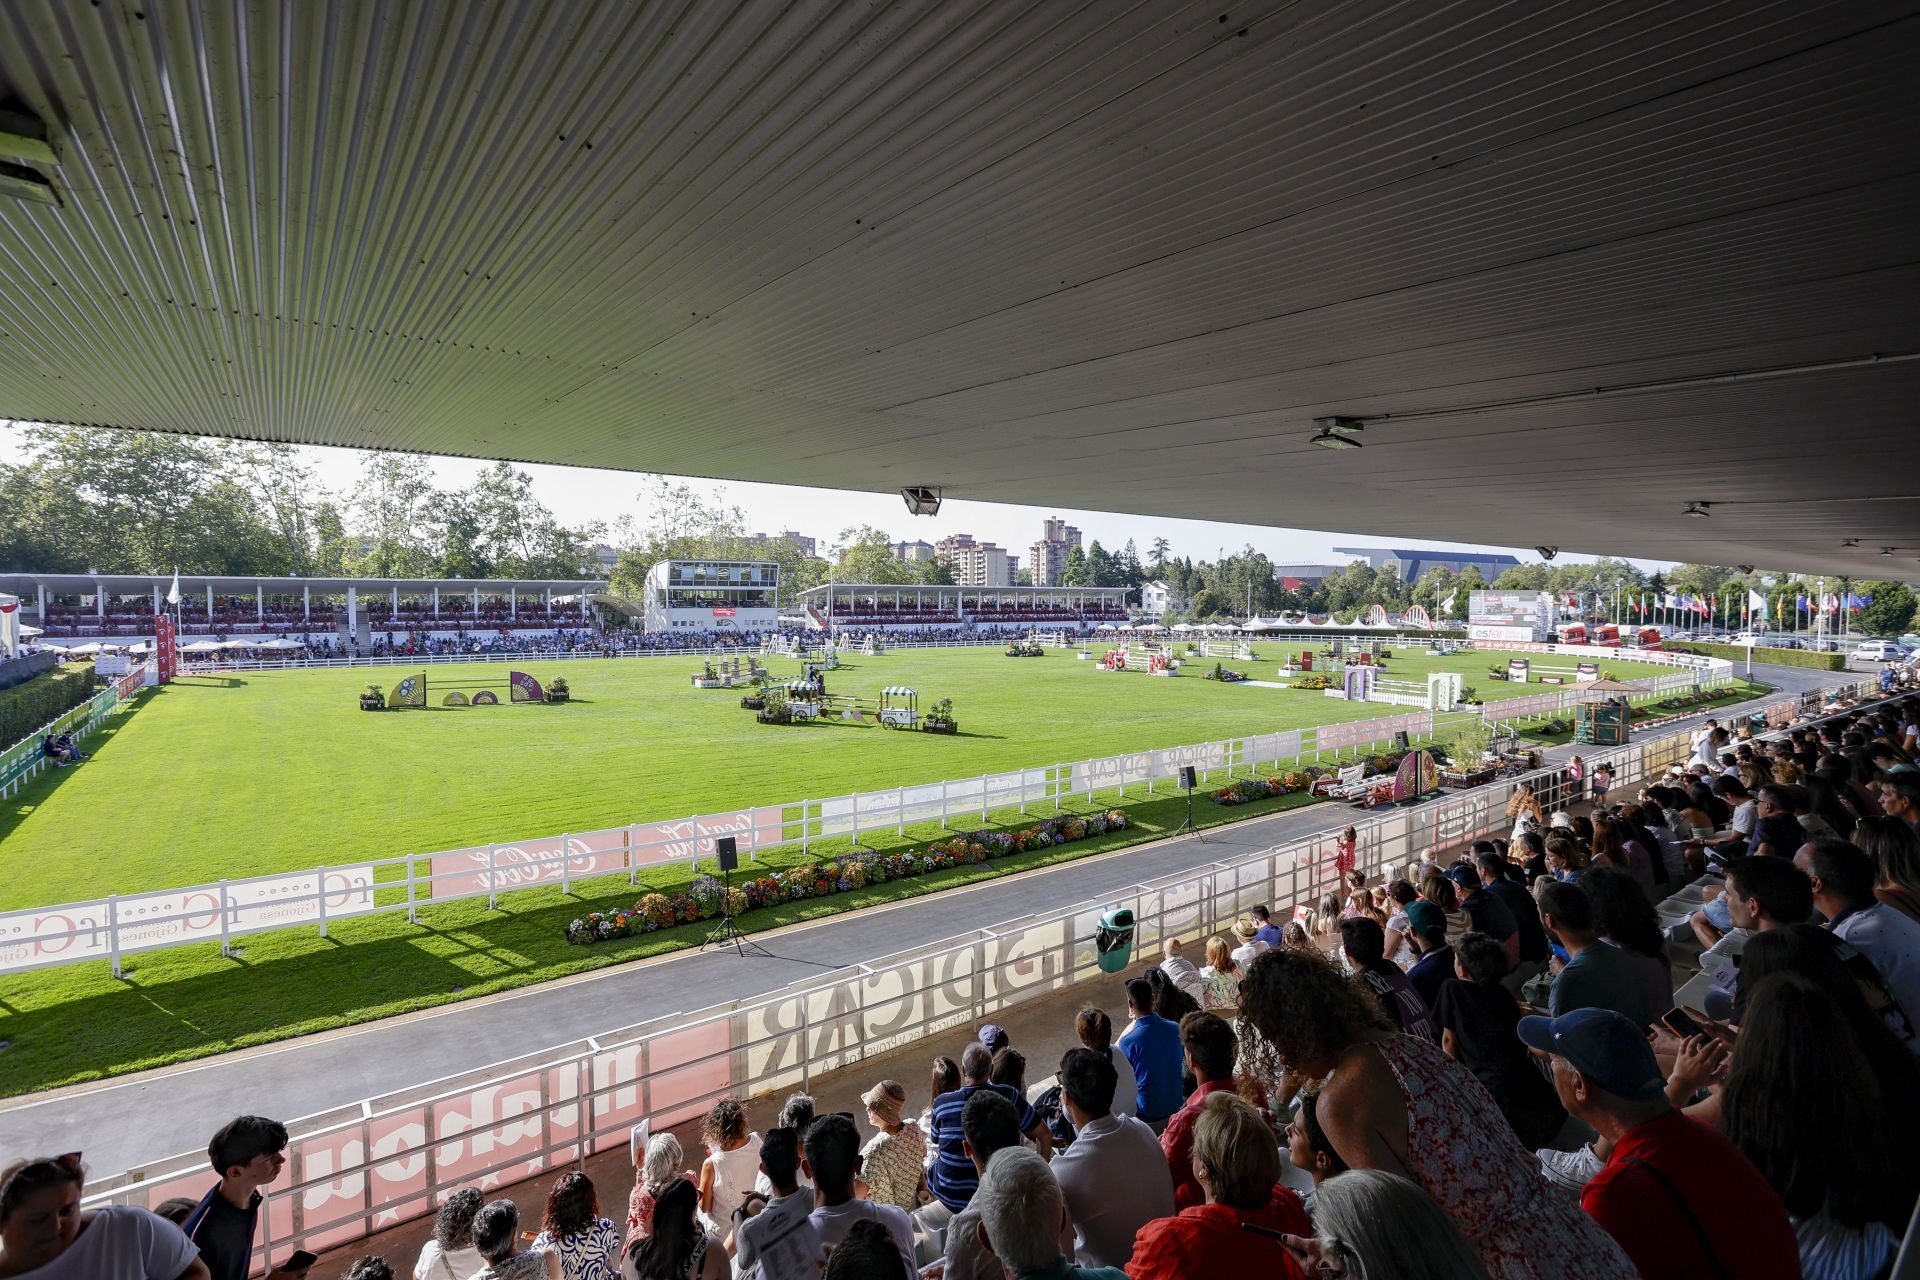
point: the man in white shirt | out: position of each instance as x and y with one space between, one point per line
782 1231
1250 945
1843 891
1182 973
1113 1176
833 1162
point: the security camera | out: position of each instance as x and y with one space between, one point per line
1547 553
921 500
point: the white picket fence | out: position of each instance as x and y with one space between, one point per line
377 1162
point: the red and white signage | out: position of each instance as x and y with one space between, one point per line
166 654
725 613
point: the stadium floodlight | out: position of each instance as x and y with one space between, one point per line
1698 509
1338 433
1547 553
921 500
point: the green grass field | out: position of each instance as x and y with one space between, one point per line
275 771
237 775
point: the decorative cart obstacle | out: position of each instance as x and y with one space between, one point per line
805 701
1025 649
729 673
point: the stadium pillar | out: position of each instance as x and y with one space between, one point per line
259 602
209 602
513 604
306 603
436 602
353 610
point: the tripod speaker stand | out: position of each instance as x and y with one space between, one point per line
1187 779
728 934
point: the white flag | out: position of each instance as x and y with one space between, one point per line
1756 602
1446 606
173 592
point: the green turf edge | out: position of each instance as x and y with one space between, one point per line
76 1024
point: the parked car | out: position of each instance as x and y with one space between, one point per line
1878 651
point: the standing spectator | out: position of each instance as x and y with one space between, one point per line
495 1233
1307 1147
449 1253
1152 1045
1113 1177
44 1232
680 1248
1371 1224
1842 879
588 1245
1346 848
1803 1104
1220 979
733 1160
1596 976
659 1166
1576 780
1268 933
1363 940
1095 1030
893 1163
786 1213
1181 971
1398 1104
1211 1048
1602 782
952 1176
248 1153
1238 1166
1678 1196
1477 1015
833 1162
1020 1211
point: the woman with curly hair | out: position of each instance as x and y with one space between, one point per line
588 1244
1399 1104
449 1254
733 1158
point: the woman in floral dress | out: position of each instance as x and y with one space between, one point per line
588 1244
1397 1103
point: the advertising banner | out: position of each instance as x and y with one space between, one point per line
1146 766
166 654
1517 669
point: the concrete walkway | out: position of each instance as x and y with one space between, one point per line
154 1115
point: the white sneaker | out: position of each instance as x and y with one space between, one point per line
1569 1169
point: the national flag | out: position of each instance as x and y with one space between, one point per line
173 592
1799 603
1756 601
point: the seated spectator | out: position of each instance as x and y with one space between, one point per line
660 1165
1370 1223
867 1253
1759 895
1113 1177
44 1232
1898 796
1250 945
1237 1165
1307 1147
1010 1069
1397 1103
1676 1194
952 1176
1399 926
449 1253
371 1267
680 1248
1804 1105
1362 939
1268 933
1477 1015
1530 950
944 1078
733 1160
1596 976
587 1244
1170 999
176 1208
1095 1031
1020 1211
1489 914
833 1162
1181 971
893 1163
1842 880
994 1037
1211 1048
1324 924
991 1125
1624 919
796 1113
784 1213
1435 963
1152 1045
1439 891
496 1235
1895 849
1220 979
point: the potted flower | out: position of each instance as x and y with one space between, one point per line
373 699
940 718
557 690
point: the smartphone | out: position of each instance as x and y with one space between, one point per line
1677 1021
301 1260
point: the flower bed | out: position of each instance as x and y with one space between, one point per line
706 897
1294 781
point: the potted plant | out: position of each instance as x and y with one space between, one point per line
1466 748
773 708
557 690
373 699
940 719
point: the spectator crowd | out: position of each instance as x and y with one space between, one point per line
1473 1069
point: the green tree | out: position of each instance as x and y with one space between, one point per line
1074 573
1157 557
1525 577
865 554
393 507
1462 589
1101 571
1889 610
935 572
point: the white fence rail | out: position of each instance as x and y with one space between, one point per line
375 1163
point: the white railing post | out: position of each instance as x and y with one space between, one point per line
493 894
113 931
566 863
320 897
413 914
226 939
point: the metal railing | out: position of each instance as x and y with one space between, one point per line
365 1167
24 761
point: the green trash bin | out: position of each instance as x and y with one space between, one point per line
1113 940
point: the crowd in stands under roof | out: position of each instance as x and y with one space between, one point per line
1472 1070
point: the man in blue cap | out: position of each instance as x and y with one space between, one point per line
1677 1195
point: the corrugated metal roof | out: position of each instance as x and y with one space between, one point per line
1101 255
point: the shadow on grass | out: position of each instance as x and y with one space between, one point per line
79 1023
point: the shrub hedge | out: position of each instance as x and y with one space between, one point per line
1768 654
26 707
